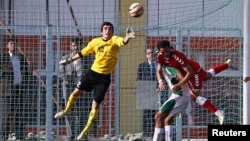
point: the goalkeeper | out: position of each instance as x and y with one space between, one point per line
176 104
97 78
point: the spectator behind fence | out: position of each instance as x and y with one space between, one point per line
71 74
15 70
147 72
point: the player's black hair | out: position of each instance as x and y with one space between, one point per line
163 44
109 24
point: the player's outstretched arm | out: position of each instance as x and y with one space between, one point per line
129 35
69 60
66 61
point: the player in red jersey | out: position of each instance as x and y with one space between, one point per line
192 73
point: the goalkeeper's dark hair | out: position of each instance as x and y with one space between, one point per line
108 24
163 44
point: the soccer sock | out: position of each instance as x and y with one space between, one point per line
206 104
217 69
70 103
158 133
92 117
168 133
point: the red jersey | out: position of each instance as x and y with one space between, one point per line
177 60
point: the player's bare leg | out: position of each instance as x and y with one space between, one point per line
159 126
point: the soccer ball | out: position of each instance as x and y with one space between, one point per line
136 10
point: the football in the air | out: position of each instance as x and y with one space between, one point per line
136 10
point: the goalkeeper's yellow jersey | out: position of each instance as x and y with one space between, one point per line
106 53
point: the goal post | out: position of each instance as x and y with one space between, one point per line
246 62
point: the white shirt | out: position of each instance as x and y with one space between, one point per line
16 69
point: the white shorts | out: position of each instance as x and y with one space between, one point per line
176 104
178 101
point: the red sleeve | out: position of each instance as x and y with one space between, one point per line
181 58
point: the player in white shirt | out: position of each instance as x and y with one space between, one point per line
176 104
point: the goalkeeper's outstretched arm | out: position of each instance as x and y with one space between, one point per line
71 59
129 35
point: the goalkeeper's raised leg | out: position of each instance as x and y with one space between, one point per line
72 98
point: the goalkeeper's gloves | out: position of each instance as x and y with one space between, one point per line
130 33
66 61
